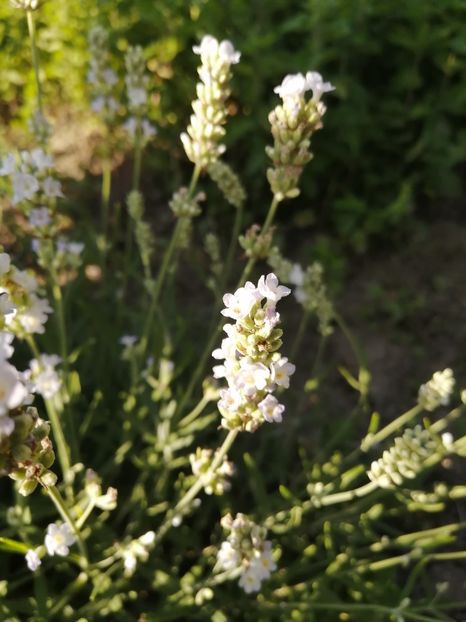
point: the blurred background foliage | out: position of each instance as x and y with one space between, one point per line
394 142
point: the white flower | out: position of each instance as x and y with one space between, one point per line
271 409
25 186
6 349
129 562
239 304
12 390
110 77
38 159
230 400
58 539
128 341
210 49
437 391
39 217
148 538
8 165
74 248
250 579
296 276
252 377
24 279
264 562
52 188
6 306
269 288
45 379
137 96
32 560
33 318
227 556
7 425
281 372
293 86
4 263
314 81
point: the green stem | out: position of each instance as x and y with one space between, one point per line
373 439
55 496
299 335
231 249
61 323
58 434
347 495
35 58
357 351
197 486
196 411
105 200
163 272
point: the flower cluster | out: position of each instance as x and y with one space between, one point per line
202 138
246 550
228 182
100 76
310 289
437 391
255 243
407 457
22 310
32 180
293 123
136 550
253 366
136 81
96 497
214 482
58 255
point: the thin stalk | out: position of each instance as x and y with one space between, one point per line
61 323
195 377
357 351
55 496
373 439
138 149
35 58
85 515
163 272
105 200
231 249
299 334
196 487
196 411
57 429
347 495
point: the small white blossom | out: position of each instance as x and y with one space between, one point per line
269 288
239 304
12 390
52 188
7 425
128 341
292 86
6 306
281 372
35 316
315 83
40 217
25 187
6 349
4 263
271 409
43 376
8 166
32 560
58 539
227 556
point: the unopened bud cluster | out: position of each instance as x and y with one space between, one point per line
406 458
310 289
137 126
253 366
93 488
22 310
437 391
214 482
202 138
101 78
292 124
26 5
26 454
247 550
255 243
228 183
142 231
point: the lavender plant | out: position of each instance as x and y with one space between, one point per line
128 532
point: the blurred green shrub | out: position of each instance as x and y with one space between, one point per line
394 137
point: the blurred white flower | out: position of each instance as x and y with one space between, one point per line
32 560
39 217
58 539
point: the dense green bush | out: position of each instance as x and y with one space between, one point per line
395 139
